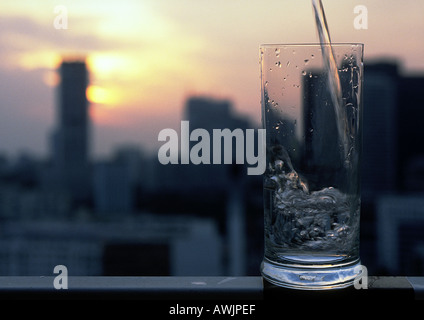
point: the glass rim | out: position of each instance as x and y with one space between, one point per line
311 44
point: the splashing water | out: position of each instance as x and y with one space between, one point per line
298 219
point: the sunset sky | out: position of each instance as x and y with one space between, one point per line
147 56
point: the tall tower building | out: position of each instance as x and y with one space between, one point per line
380 130
71 138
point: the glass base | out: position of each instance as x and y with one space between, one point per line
311 277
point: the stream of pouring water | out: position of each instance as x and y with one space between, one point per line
333 75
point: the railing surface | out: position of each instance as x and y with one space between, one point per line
197 288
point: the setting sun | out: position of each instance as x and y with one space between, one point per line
99 95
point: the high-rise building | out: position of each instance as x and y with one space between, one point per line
410 133
209 114
319 121
320 133
380 143
71 137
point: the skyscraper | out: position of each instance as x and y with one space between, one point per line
71 138
209 114
380 130
319 134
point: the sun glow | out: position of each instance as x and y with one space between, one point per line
99 95
106 65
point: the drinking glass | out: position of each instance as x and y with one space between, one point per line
312 114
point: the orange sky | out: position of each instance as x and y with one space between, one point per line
147 57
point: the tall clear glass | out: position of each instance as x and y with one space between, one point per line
313 119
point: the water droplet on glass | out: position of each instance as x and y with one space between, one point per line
312 56
303 72
277 52
288 63
306 61
266 83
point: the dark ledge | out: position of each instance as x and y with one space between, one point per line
199 288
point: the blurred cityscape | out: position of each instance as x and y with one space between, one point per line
131 215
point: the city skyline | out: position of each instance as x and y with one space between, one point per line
146 58
127 186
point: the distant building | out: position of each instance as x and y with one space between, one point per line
171 245
319 123
410 133
132 158
322 155
205 113
380 130
209 114
112 189
399 225
71 138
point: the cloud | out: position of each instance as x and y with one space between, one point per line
23 39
